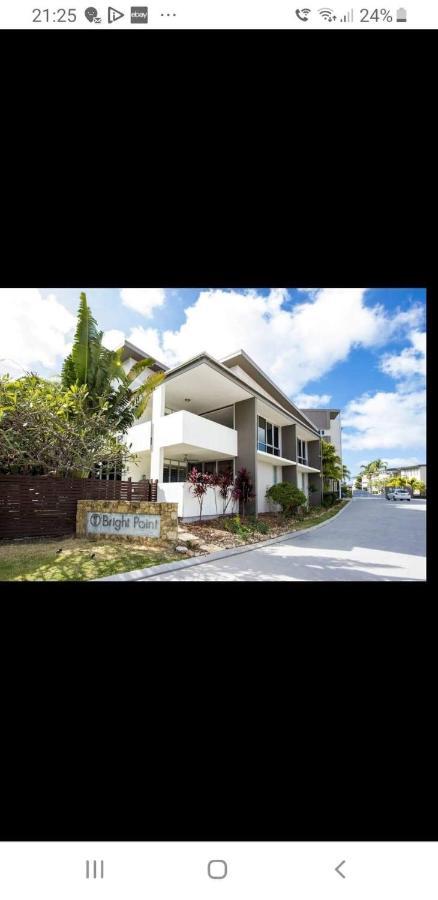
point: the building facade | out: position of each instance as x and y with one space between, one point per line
328 423
375 483
220 416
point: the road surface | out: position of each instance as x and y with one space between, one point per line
371 540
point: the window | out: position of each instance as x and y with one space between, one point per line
174 470
225 467
302 452
261 434
268 437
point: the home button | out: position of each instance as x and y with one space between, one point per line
217 868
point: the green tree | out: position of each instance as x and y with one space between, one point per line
46 429
331 464
289 497
346 474
101 371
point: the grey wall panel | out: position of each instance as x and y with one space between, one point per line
314 454
289 473
289 442
245 424
315 497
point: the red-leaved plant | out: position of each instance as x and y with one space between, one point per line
198 485
243 489
225 484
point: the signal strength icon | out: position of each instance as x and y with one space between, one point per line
327 14
348 17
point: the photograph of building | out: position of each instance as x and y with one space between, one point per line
219 415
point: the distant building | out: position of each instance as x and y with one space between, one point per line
418 472
328 423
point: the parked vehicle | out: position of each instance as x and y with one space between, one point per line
399 494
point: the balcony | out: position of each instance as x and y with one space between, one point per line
185 434
139 436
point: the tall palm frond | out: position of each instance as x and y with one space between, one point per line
86 334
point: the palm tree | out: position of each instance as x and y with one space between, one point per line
345 473
331 463
101 370
374 470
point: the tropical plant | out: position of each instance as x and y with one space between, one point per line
331 464
243 489
235 526
289 497
346 474
45 429
330 497
199 483
225 484
101 371
417 485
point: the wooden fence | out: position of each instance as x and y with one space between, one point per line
42 506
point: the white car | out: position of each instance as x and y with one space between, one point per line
399 494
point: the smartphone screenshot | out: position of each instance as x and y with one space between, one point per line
229 14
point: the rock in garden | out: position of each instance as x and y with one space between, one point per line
181 549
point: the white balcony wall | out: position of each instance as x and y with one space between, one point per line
140 437
188 506
185 428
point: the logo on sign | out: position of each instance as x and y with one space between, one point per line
119 523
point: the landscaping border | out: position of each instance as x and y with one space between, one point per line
143 574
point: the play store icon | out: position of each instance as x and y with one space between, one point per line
114 14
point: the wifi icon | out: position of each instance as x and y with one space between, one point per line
327 14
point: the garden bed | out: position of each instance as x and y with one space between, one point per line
202 538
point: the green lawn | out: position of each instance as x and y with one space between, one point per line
40 561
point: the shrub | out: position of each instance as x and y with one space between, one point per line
287 496
329 499
258 525
235 526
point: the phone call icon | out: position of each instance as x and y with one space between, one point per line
303 14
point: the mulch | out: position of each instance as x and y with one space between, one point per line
212 535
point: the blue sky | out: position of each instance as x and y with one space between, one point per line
362 350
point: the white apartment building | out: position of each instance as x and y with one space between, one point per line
418 472
217 416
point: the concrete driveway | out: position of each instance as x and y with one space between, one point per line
371 540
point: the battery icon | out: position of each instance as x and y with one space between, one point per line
401 15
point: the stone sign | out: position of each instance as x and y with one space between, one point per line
138 525
136 521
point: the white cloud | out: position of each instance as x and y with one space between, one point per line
385 419
410 363
143 300
35 330
312 401
113 339
397 418
295 345
147 339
